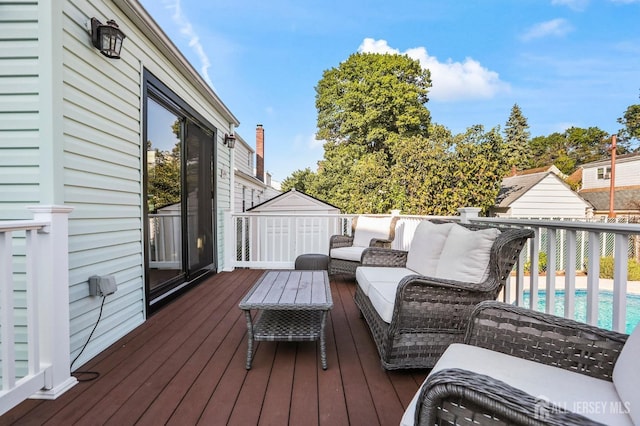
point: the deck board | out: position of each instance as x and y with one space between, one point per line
186 365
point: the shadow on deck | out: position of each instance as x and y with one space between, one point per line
186 365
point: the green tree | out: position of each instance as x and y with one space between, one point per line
365 107
370 99
164 178
568 150
517 139
439 174
419 174
631 122
478 167
300 180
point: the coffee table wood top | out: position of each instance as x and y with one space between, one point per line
295 290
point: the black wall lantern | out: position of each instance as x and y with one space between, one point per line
230 140
107 38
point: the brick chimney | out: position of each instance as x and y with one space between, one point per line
260 152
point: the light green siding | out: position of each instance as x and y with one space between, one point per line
19 108
71 134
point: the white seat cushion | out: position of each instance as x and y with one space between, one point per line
426 247
593 398
365 275
368 227
626 374
380 286
352 253
465 255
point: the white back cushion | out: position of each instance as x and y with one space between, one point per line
626 375
465 255
426 247
368 227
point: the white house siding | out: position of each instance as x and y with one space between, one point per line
549 198
627 174
103 171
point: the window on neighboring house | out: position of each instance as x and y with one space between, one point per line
604 172
244 194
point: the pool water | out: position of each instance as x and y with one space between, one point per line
605 307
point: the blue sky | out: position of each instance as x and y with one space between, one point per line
564 62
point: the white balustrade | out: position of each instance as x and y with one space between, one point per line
572 248
34 268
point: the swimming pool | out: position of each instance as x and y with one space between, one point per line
605 307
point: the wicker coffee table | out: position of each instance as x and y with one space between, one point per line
291 305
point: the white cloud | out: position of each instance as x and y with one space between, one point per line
555 27
187 30
450 80
577 5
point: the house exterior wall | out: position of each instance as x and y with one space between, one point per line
627 174
71 134
548 198
248 191
26 100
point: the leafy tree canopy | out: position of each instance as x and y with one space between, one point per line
300 180
371 99
568 150
631 122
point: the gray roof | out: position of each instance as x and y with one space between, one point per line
624 199
513 187
622 158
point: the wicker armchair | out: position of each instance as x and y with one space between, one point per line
345 251
552 354
428 313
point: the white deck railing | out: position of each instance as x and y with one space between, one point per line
275 240
34 307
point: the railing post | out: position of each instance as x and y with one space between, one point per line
468 213
229 245
53 300
620 275
593 278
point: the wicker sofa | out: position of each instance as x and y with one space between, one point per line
522 367
345 251
417 303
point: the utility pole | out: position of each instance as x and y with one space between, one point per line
612 182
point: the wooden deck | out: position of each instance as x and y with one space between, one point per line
186 366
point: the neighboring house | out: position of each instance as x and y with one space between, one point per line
136 146
295 202
596 185
307 229
539 193
252 185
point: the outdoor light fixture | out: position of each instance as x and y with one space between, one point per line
107 38
230 140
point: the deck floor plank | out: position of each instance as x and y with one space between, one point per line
186 365
304 395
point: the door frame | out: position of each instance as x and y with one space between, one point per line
162 94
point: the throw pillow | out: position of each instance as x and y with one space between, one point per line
465 255
426 247
368 227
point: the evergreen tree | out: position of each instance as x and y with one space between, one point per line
517 139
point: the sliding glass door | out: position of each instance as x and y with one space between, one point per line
179 194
